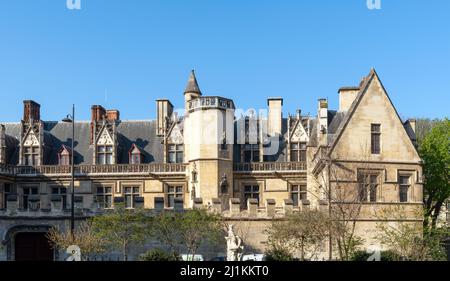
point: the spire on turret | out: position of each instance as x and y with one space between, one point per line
192 85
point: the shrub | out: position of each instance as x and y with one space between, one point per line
157 255
279 255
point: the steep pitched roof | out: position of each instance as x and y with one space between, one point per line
346 118
192 85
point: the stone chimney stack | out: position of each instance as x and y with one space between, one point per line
322 117
346 97
164 110
31 111
275 116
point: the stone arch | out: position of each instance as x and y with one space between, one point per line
9 238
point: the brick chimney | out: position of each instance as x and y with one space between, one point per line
31 111
112 115
98 112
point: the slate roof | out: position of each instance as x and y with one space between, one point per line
56 134
192 85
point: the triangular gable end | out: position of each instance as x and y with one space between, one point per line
397 123
31 139
104 137
175 136
299 133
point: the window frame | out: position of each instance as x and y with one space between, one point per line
255 153
177 151
104 195
178 192
251 193
401 185
25 195
300 193
31 157
299 150
375 138
132 193
368 190
107 153
62 194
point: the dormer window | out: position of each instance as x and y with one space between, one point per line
175 153
64 156
31 155
135 155
105 155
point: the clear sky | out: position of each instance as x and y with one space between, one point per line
124 54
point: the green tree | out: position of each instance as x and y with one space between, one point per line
90 244
187 230
121 228
435 152
303 232
157 255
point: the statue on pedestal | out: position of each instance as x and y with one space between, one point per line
234 245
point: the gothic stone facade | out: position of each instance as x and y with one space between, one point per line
251 168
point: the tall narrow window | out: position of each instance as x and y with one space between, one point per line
131 193
375 138
27 191
31 155
368 186
62 191
175 153
6 192
251 153
104 196
173 191
298 193
251 191
104 154
404 184
298 151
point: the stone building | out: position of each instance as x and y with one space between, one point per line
250 166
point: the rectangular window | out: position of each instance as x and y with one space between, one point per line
130 196
64 160
105 155
375 138
7 190
251 153
404 184
63 192
298 193
27 191
298 151
368 187
31 156
251 191
135 158
175 153
172 193
104 196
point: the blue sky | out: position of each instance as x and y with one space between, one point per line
136 51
